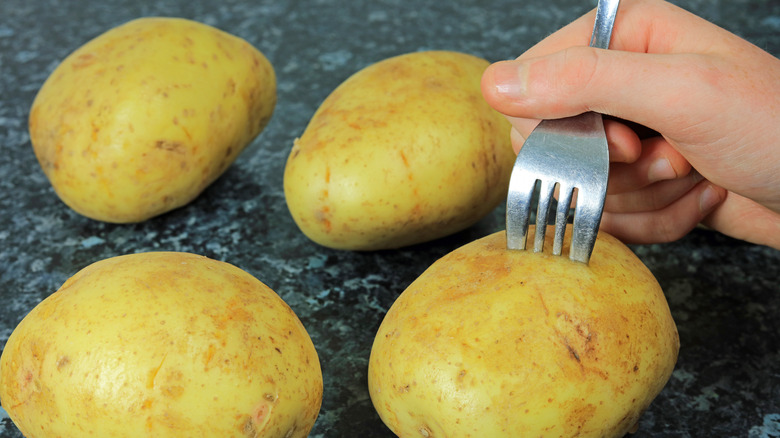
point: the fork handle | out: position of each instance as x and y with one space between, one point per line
605 19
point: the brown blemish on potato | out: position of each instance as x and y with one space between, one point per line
172 387
150 378
541 300
579 416
425 431
572 352
62 362
95 131
261 413
84 60
231 87
254 425
169 145
233 312
321 216
173 392
27 378
404 159
248 427
575 335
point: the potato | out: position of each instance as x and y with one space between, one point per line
141 119
404 151
489 342
161 344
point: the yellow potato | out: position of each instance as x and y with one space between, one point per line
143 118
404 151
161 344
495 343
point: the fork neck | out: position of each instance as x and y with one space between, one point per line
605 19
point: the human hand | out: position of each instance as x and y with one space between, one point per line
710 99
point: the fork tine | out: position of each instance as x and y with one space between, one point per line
587 216
562 216
518 209
546 190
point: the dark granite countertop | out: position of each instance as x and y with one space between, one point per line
724 294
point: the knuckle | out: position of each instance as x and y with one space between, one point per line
669 228
579 70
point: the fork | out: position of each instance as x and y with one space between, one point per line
570 153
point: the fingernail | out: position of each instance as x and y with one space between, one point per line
709 198
510 79
661 169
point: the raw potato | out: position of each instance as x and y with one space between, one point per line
143 118
404 151
495 343
161 344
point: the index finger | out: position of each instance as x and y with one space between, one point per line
645 26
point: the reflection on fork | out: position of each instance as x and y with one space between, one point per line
571 155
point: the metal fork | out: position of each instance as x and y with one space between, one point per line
570 153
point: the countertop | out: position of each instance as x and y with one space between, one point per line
723 293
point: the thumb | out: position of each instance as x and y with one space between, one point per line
650 89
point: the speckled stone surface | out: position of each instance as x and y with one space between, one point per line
724 294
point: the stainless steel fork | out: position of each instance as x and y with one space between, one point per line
570 154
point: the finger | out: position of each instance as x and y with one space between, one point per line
669 223
658 161
521 128
580 79
624 143
640 26
516 139
741 218
653 197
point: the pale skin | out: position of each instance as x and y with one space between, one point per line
710 99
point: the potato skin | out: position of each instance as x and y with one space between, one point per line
495 343
165 345
141 119
404 151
